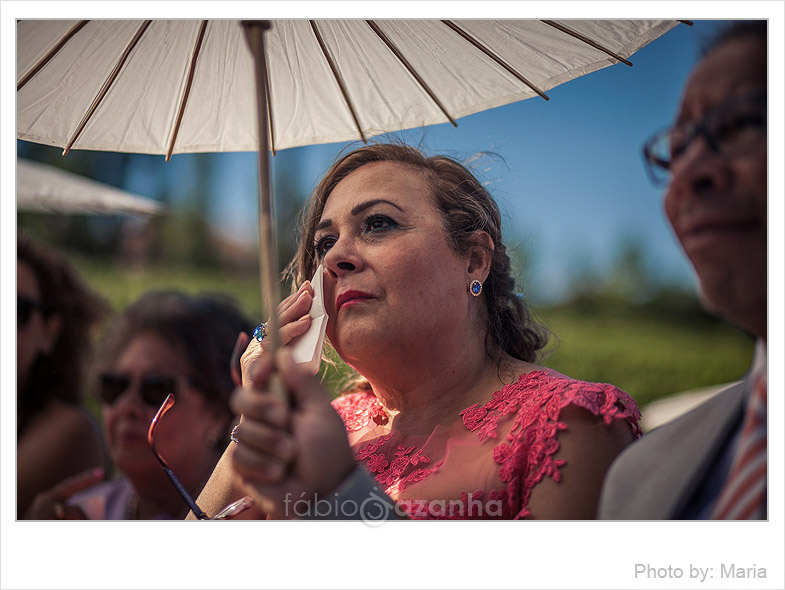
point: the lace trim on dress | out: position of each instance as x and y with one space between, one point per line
356 409
524 456
389 474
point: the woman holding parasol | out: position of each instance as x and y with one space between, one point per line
451 417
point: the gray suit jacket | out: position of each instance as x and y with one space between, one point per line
655 477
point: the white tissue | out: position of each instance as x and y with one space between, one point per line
307 349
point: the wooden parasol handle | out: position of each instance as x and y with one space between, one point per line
268 254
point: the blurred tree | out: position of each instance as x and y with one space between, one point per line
290 195
185 235
630 289
629 279
583 278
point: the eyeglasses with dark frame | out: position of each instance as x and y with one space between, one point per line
228 512
25 306
728 129
153 388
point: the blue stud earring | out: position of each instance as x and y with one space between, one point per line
475 288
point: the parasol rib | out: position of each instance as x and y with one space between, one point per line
51 53
494 57
338 78
107 85
586 40
391 46
187 91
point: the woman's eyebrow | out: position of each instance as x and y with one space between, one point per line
360 207
356 210
324 223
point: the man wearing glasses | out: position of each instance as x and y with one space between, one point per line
711 462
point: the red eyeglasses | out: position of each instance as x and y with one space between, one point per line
230 511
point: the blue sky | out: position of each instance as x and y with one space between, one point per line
569 175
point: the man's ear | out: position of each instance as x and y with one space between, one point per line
480 256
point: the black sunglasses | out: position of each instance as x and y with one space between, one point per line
25 306
152 388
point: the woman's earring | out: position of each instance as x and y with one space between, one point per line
475 288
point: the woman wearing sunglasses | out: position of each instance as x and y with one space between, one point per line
165 342
56 315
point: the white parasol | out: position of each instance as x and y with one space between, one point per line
163 87
47 189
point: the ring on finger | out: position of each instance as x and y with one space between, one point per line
260 332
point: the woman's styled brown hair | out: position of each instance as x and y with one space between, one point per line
466 208
59 375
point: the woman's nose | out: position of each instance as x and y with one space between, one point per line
341 259
130 399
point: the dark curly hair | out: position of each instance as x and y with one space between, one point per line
59 375
466 208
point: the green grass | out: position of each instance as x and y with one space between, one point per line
649 351
647 356
122 285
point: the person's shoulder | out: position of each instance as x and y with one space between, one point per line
648 479
356 398
706 416
105 489
581 400
583 426
355 409
107 500
67 421
71 412
77 423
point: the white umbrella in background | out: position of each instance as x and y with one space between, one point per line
47 189
164 86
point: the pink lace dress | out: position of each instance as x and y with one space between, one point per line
485 464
